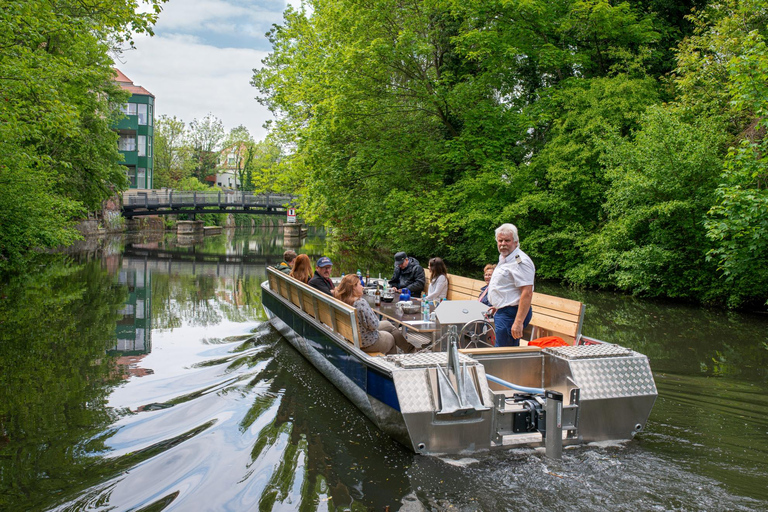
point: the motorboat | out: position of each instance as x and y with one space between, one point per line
459 394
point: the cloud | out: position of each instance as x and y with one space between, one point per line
222 23
190 79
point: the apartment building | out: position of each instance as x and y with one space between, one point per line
136 132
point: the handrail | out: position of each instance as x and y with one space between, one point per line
332 302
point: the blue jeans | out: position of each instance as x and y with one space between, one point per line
503 319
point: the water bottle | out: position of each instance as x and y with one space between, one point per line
360 277
425 310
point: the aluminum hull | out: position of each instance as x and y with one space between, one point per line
608 391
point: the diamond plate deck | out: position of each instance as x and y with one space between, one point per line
426 360
613 377
589 351
414 391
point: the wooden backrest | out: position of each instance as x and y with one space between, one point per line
555 316
336 315
552 316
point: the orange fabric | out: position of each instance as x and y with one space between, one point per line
548 341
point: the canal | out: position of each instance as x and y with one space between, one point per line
138 373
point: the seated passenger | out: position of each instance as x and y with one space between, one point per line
487 273
322 278
375 335
302 269
286 265
408 274
438 283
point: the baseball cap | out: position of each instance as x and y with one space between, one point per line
400 257
325 261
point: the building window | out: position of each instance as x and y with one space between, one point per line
142 110
142 145
126 142
129 109
149 147
141 177
149 117
131 177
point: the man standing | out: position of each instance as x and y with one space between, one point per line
322 278
408 274
286 265
511 288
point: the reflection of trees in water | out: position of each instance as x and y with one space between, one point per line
202 300
56 327
678 338
326 451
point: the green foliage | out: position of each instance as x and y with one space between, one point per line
173 160
58 152
424 125
661 186
739 220
205 137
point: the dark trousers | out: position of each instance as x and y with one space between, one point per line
503 319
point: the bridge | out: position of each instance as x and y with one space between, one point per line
138 203
194 263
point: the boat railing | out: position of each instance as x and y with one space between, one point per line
341 318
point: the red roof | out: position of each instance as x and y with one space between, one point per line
128 85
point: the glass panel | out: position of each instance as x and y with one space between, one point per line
142 109
131 177
128 109
149 147
126 142
142 145
141 178
149 118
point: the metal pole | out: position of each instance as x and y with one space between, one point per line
553 437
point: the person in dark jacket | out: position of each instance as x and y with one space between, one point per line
408 274
286 265
322 278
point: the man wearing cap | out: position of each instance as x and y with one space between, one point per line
408 274
286 265
322 278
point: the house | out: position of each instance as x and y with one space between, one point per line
136 132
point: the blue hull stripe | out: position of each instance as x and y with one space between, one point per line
374 383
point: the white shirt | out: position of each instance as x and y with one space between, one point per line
512 272
438 289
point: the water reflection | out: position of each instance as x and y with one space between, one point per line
140 374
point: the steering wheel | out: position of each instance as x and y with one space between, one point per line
477 334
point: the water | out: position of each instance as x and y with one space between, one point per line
139 374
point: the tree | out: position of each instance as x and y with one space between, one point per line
173 156
240 147
265 169
205 136
728 56
58 152
662 184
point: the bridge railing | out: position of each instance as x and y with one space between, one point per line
154 199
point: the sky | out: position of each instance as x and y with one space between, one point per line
201 60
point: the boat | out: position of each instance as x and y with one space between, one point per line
460 395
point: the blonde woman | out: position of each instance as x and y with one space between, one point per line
375 335
487 273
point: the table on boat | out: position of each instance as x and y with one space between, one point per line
425 331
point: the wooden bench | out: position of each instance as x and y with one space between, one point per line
552 316
339 317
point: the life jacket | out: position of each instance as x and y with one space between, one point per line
548 341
